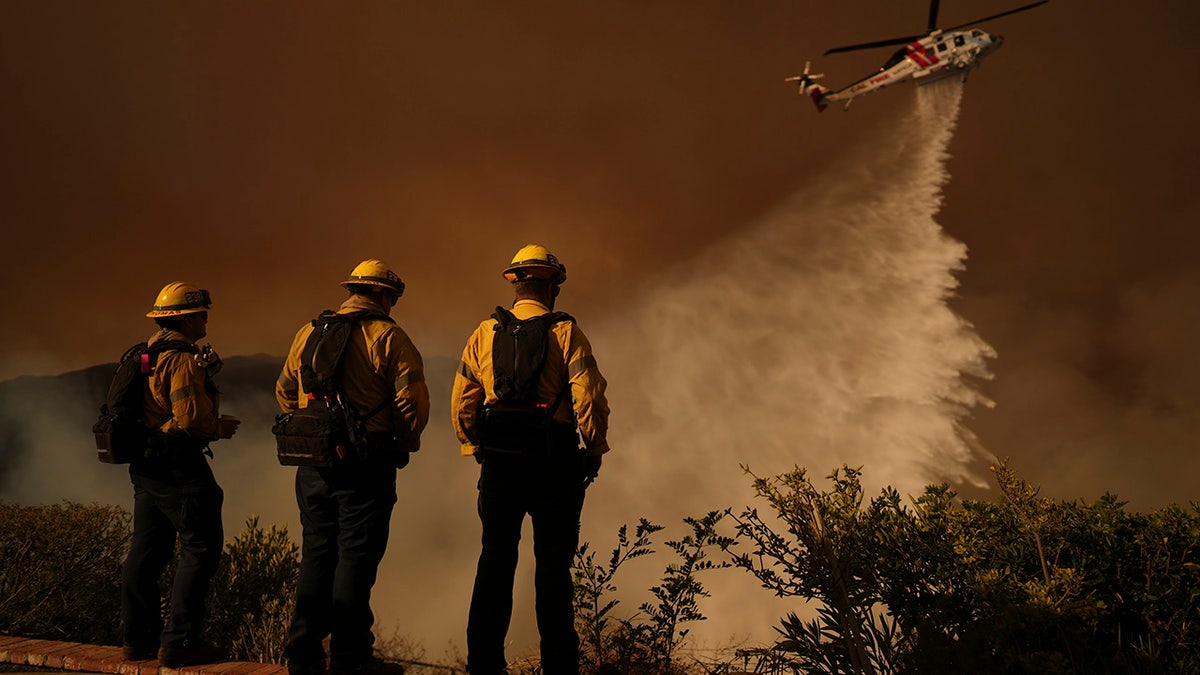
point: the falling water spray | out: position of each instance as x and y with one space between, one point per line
818 336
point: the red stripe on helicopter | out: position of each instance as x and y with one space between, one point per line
922 58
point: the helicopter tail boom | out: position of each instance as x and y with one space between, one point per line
817 93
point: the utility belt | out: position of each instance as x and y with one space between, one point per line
320 435
166 449
524 432
120 441
376 447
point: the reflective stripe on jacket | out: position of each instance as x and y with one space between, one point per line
182 398
380 363
569 359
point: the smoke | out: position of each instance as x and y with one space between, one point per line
1106 404
49 453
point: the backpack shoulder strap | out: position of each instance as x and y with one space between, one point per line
325 317
173 345
359 317
148 354
503 317
557 317
133 351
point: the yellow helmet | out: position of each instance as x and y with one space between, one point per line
375 273
180 297
533 260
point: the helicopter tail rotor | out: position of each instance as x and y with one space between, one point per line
806 82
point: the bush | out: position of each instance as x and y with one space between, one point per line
60 571
1022 584
61 568
252 594
646 642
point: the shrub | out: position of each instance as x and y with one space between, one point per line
252 594
60 571
61 568
1022 584
647 641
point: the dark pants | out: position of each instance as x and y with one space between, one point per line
552 495
346 514
181 500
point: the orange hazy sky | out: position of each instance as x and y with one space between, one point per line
262 149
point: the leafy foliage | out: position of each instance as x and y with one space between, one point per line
1018 584
1022 584
594 583
60 570
252 594
830 556
676 597
647 641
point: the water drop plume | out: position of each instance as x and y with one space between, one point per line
817 336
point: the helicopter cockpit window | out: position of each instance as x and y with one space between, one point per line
959 41
896 58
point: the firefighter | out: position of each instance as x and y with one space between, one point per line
174 491
346 509
544 473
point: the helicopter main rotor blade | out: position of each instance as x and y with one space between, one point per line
881 43
933 10
997 16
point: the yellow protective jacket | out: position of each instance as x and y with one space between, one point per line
183 399
569 358
380 363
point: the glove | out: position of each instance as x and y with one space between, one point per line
591 466
405 447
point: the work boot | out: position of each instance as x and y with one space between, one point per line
142 651
301 667
190 654
372 666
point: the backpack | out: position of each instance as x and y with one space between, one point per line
122 433
518 422
329 430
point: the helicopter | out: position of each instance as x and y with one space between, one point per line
939 54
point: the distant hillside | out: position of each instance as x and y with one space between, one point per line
67 404
54 414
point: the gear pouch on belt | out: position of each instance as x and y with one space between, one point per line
119 440
523 430
312 436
